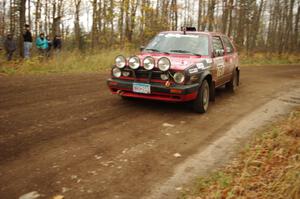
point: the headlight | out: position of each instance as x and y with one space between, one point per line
179 77
116 72
164 64
120 61
164 76
149 63
134 62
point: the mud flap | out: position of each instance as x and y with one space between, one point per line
238 76
212 91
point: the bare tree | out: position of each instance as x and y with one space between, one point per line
21 26
77 30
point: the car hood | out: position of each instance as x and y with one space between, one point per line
178 61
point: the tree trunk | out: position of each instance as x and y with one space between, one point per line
77 24
225 16
2 19
211 12
230 7
29 12
199 14
94 26
37 16
21 26
296 43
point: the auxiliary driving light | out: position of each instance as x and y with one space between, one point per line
149 63
134 62
164 76
116 72
164 64
120 61
126 73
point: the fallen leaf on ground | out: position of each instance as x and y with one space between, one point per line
30 195
177 155
168 125
58 197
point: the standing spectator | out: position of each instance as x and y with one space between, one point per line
42 44
57 43
10 46
27 41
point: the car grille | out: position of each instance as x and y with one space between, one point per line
145 74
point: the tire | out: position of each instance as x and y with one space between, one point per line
234 82
200 104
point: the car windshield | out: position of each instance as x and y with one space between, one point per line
179 43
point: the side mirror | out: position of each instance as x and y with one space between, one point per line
142 48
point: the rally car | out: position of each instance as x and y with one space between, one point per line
178 66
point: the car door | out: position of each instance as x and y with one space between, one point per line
229 58
218 59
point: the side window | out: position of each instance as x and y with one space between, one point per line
228 45
218 49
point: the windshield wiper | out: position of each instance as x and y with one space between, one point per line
152 49
156 50
185 52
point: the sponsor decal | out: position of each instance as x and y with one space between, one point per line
193 70
200 65
220 66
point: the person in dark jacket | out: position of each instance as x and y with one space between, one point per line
57 43
27 37
9 46
49 45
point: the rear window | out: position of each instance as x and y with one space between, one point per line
228 45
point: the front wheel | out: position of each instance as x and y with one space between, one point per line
200 104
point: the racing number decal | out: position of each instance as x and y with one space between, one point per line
220 66
220 70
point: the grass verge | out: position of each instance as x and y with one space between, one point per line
268 168
69 62
64 62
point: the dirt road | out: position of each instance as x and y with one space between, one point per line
66 134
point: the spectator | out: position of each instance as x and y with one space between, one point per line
42 44
49 45
9 46
27 41
57 43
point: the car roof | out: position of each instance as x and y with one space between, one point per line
194 33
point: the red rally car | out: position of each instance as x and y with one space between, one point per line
178 66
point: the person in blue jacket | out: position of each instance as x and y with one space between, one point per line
42 44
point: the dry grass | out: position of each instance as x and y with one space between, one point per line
76 61
269 59
64 62
268 168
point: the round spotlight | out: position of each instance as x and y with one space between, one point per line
126 73
164 64
120 61
116 72
164 76
134 62
149 63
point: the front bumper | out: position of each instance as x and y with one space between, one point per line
174 93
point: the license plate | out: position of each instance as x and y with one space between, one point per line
141 88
